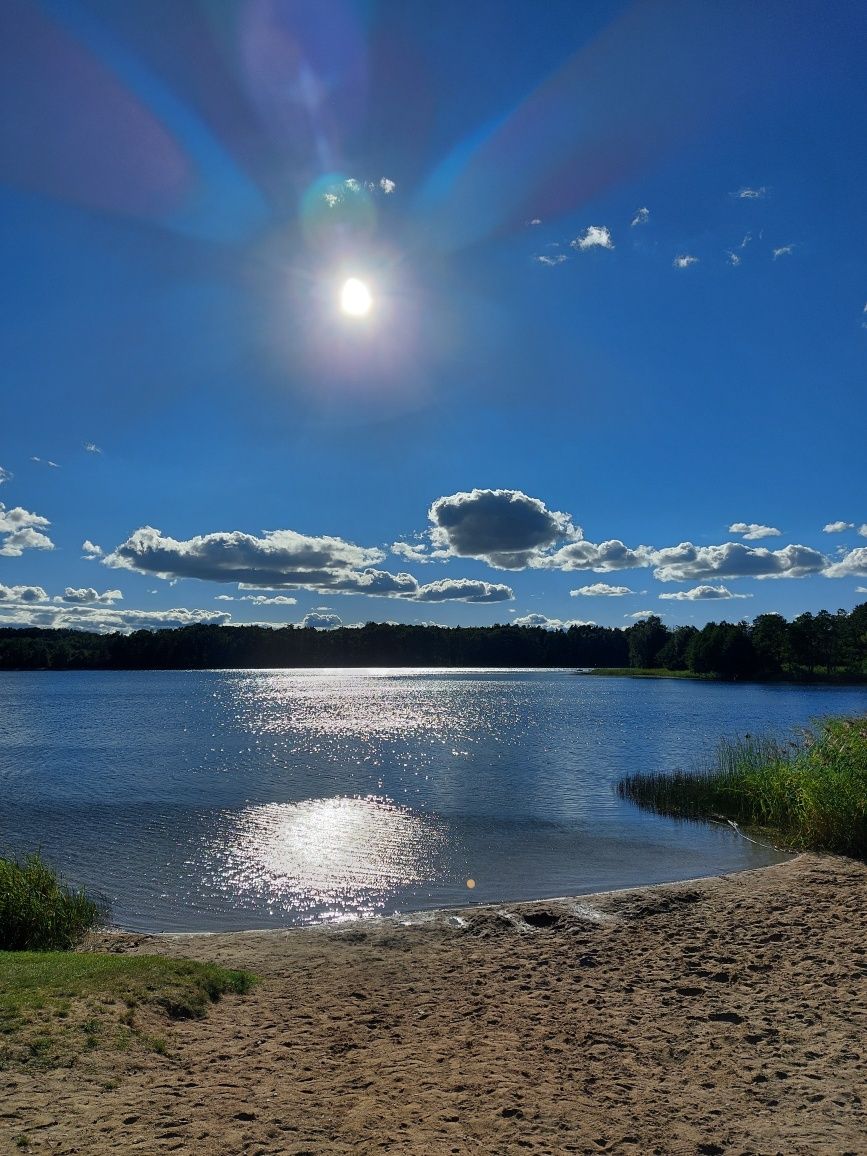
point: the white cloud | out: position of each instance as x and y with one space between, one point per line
753 530
783 251
600 590
861 589
388 186
91 550
5 476
837 527
642 216
547 623
21 530
702 593
23 594
506 528
314 621
748 194
862 530
284 559
217 597
734 259
594 237
556 259
601 557
645 614
734 560
104 620
747 238
535 221
92 448
87 594
851 565
463 590
266 599
684 260
45 462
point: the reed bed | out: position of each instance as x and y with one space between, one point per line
38 911
810 793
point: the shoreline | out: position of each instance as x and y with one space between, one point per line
720 1015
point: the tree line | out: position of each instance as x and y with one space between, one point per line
810 646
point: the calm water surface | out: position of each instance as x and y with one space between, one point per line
242 799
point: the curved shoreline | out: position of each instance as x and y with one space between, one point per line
721 1015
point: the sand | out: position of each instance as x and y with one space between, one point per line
719 1016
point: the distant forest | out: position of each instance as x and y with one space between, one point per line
822 645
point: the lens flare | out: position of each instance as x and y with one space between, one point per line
355 298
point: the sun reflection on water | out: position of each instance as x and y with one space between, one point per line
338 857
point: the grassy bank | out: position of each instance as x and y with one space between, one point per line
811 794
644 672
38 911
56 1007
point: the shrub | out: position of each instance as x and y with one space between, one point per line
38 911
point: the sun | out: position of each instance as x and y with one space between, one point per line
355 298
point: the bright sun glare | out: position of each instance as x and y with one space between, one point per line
355 298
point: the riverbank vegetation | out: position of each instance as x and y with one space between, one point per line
810 794
38 912
821 646
57 1008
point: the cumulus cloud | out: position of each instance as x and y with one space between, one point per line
555 259
547 623
783 251
642 216
753 530
594 237
861 589
838 527
734 560
645 614
851 565
87 594
90 550
21 530
463 590
388 186
601 557
284 559
749 194
684 260
600 590
92 448
24 594
5 476
862 530
315 621
265 599
506 528
702 593
104 620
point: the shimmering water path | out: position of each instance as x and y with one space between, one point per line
242 799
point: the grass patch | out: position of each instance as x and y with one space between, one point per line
55 1006
811 794
38 911
646 672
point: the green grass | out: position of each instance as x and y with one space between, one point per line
38 912
810 794
54 1006
645 672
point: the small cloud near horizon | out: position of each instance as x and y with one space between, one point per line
837 527
754 530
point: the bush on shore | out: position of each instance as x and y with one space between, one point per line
38 911
811 794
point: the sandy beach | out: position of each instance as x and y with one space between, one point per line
718 1016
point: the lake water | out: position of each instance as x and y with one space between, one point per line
243 799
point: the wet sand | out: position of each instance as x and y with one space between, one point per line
723 1016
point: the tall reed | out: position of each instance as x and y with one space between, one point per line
38 911
812 793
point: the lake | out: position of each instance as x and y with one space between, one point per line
217 800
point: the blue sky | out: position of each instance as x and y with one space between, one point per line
614 360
